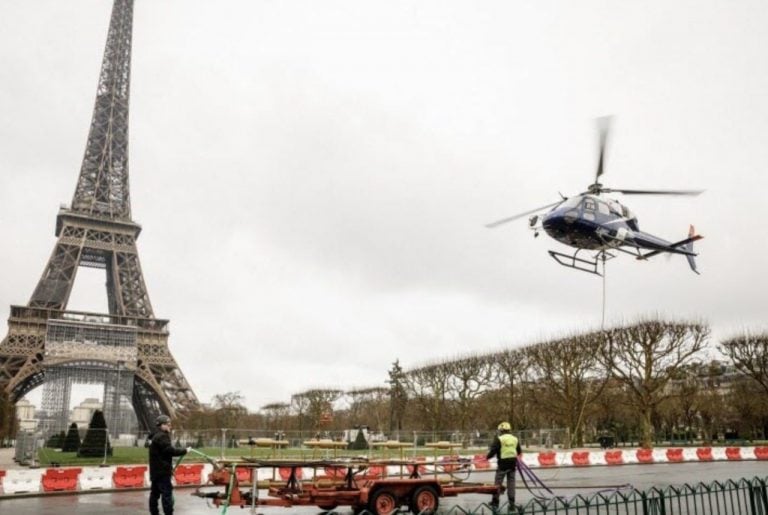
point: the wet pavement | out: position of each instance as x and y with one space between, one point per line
564 481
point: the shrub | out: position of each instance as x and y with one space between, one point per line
96 438
72 440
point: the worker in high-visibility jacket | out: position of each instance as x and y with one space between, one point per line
506 448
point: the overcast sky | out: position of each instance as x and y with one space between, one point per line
313 178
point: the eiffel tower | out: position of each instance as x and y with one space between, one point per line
45 342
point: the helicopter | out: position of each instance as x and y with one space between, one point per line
591 222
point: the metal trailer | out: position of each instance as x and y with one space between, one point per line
351 485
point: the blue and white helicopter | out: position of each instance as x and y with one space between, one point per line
590 222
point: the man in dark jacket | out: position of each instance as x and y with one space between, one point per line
506 448
161 453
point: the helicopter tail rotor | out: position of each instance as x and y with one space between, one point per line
689 247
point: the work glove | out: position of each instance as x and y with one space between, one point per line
188 450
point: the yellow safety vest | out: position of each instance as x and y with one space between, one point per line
508 446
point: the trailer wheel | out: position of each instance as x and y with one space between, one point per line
383 502
424 501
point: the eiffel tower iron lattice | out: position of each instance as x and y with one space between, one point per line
97 231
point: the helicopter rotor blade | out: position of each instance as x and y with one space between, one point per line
521 215
603 127
654 192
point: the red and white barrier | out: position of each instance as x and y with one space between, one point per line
73 479
130 477
615 457
22 481
60 479
96 478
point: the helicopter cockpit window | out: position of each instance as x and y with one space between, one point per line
603 208
571 202
589 209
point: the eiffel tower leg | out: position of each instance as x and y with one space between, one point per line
128 290
55 285
21 358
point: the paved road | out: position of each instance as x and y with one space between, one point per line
565 481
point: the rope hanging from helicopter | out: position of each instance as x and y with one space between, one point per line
602 322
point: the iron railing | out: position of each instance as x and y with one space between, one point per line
731 497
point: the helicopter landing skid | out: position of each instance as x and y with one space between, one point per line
577 263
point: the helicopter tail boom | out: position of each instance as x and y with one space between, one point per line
684 247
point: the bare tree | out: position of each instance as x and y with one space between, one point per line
229 409
428 387
749 354
645 356
510 370
368 406
316 403
746 413
569 378
710 403
276 413
468 379
299 406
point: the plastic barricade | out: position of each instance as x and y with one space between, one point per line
336 472
449 463
547 459
580 458
689 454
189 474
60 480
704 454
761 453
417 469
244 475
263 475
614 457
718 454
374 472
395 470
645 455
481 462
733 453
285 473
129 477
22 481
94 478
675 455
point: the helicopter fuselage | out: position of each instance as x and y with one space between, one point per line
593 223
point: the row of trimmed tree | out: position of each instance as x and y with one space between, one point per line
648 380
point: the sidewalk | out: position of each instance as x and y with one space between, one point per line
6 459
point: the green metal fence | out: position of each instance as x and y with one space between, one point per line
745 496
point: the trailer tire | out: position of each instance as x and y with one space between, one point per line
383 502
424 500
